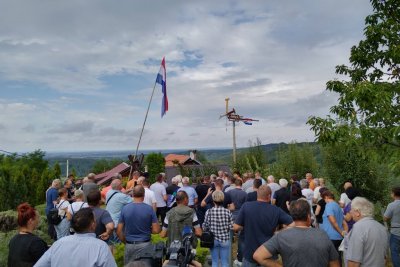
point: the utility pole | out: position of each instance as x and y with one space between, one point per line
233 117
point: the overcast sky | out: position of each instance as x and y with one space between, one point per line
78 75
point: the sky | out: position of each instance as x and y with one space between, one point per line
78 75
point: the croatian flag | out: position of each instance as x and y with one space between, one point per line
247 122
162 79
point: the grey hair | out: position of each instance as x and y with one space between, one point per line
364 206
185 180
303 183
271 178
283 182
316 182
56 183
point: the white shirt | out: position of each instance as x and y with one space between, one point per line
309 194
159 193
344 199
149 197
317 194
74 207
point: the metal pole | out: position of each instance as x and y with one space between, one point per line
67 168
145 118
234 144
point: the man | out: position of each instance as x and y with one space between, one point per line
317 193
164 179
257 175
300 245
344 199
136 224
238 197
115 201
80 249
89 185
271 183
248 182
133 181
193 197
229 184
208 201
105 190
171 190
202 190
306 191
149 197
51 201
104 223
259 220
310 180
179 217
282 196
252 196
392 214
70 190
368 239
161 197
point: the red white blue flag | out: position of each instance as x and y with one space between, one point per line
162 79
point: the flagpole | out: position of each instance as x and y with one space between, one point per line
145 118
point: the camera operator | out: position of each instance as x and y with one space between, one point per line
179 217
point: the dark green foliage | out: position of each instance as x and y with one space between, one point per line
295 159
155 164
368 108
20 178
351 163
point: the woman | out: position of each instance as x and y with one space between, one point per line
319 211
62 229
219 221
351 194
333 222
25 248
77 205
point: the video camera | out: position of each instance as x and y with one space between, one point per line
179 253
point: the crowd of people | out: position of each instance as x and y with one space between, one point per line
298 220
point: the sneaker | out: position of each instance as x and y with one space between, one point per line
237 263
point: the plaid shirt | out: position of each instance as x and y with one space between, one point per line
219 221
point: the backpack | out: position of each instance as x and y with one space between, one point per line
53 217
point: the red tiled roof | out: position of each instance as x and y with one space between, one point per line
172 157
104 177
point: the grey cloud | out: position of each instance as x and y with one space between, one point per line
73 128
2 127
29 128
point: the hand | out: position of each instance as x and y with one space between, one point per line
104 236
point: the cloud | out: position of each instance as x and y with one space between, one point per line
29 128
73 128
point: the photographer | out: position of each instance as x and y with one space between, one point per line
176 220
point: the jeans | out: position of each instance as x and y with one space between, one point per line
62 229
220 251
395 249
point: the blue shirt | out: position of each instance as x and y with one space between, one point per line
332 209
191 193
115 204
78 250
137 219
259 220
51 195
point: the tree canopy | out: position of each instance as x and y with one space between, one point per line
368 110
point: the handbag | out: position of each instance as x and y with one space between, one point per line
207 237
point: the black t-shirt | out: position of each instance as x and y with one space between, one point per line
227 200
25 250
252 196
281 196
201 190
171 189
322 203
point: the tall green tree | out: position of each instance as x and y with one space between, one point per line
155 164
368 110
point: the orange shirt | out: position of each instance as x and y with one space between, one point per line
312 185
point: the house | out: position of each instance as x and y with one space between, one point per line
105 177
177 159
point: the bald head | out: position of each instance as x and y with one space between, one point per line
347 185
91 176
138 191
264 193
116 184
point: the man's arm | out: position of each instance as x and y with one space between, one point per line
353 264
335 226
120 232
155 228
335 263
262 256
109 229
163 233
198 231
45 260
237 227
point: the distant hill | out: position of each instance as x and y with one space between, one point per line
83 161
